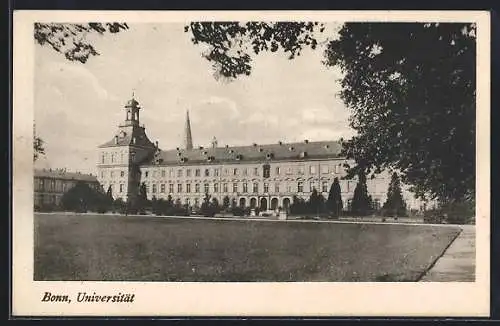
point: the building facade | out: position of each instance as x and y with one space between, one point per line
259 175
50 185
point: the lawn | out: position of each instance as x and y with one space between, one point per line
131 248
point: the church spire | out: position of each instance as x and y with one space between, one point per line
188 140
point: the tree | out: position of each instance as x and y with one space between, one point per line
316 202
140 203
361 203
395 203
231 44
413 109
71 39
225 202
38 148
334 202
82 198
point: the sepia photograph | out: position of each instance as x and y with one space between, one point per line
238 150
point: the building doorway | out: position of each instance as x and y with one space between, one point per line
274 203
242 202
286 203
263 204
253 202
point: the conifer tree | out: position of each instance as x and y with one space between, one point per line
334 201
361 202
395 204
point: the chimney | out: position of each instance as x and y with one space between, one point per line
306 141
156 143
280 142
116 139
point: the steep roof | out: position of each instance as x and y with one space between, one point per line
255 152
125 138
62 174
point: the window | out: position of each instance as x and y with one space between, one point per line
245 171
121 157
188 187
216 172
163 173
312 169
300 186
187 201
112 174
197 187
121 187
301 170
154 188
197 172
207 172
324 169
226 171
276 187
179 173
111 188
103 158
256 171
216 187
255 187
277 170
224 187
179 187
122 174
266 187
171 173
147 187
188 172
312 186
205 186
289 170
146 174
266 169
235 171
155 174
171 188
162 188
337 169
324 186
196 201
235 187
289 188
245 187
112 157
102 174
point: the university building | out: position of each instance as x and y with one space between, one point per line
258 175
51 184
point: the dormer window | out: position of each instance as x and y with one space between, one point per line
239 157
269 156
291 148
184 159
327 146
261 150
205 152
179 154
210 158
231 151
303 154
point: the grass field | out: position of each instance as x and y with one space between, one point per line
107 248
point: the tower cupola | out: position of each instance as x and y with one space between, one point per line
132 111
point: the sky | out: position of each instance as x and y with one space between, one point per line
79 106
